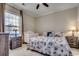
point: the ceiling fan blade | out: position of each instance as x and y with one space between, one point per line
37 6
45 4
23 3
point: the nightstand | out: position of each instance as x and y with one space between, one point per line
73 41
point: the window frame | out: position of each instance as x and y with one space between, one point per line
12 18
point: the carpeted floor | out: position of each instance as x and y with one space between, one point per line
22 51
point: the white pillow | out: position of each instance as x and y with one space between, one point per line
60 34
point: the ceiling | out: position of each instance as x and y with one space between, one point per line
30 8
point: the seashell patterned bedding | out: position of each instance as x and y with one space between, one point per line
53 46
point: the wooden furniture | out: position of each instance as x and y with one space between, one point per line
15 42
4 44
73 41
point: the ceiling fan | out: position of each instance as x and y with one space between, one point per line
38 5
45 4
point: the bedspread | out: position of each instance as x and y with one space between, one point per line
54 46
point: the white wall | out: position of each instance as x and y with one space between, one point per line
58 22
29 23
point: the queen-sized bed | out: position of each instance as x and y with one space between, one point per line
54 46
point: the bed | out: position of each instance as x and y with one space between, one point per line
53 46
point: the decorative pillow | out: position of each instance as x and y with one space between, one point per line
59 34
50 34
56 35
44 34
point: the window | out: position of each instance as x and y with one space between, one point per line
12 24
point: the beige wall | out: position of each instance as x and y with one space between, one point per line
58 22
29 23
78 17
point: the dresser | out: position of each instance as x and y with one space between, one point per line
4 44
15 42
73 41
